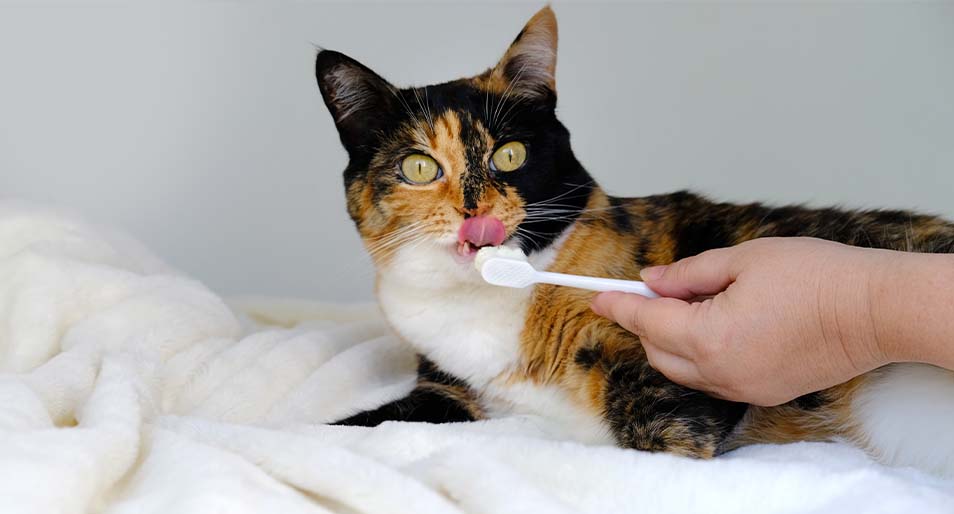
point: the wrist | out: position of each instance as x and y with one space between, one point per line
857 303
912 308
880 304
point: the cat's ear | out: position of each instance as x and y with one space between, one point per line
358 98
529 66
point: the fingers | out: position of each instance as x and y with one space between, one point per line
678 369
708 273
667 323
667 328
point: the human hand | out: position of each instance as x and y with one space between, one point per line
789 316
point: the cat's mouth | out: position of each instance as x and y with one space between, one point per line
467 250
477 232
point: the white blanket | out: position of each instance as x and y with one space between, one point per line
128 387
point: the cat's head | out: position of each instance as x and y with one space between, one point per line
435 172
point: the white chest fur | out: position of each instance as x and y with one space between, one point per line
469 330
472 330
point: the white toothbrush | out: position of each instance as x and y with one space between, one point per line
502 266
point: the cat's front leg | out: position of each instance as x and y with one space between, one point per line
649 412
438 398
645 410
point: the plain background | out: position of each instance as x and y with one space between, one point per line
199 129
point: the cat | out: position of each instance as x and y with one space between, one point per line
436 172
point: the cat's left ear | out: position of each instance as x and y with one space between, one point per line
358 98
529 66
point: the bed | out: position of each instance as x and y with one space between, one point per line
128 387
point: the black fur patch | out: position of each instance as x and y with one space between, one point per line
588 357
621 218
422 405
811 401
646 411
427 371
438 398
697 237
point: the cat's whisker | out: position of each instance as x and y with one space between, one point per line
572 211
402 227
389 242
394 242
526 231
544 214
556 205
396 235
396 231
563 195
567 195
569 210
505 117
581 215
530 222
385 245
503 98
487 106
549 216
587 183
427 103
420 241
410 112
425 110
553 210
382 254
400 97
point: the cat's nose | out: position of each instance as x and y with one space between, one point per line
480 210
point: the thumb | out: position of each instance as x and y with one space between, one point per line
668 323
708 273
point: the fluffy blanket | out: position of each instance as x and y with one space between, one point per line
129 387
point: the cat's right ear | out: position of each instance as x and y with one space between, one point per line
358 98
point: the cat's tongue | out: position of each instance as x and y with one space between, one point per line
481 231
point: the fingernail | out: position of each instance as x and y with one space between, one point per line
653 273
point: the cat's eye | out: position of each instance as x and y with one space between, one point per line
420 169
509 157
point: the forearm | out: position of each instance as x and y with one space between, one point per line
912 309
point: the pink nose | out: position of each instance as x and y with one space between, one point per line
482 231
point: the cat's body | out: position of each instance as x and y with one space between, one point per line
532 351
489 351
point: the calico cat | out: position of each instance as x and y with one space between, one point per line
436 172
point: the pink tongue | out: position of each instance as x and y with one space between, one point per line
482 231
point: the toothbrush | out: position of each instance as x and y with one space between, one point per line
502 266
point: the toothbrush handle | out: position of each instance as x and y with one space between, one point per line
596 283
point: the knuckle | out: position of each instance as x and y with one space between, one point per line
711 350
706 351
682 269
652 355
634 325
731 389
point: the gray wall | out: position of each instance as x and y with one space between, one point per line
199 128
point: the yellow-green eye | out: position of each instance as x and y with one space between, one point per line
509 157
420 169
